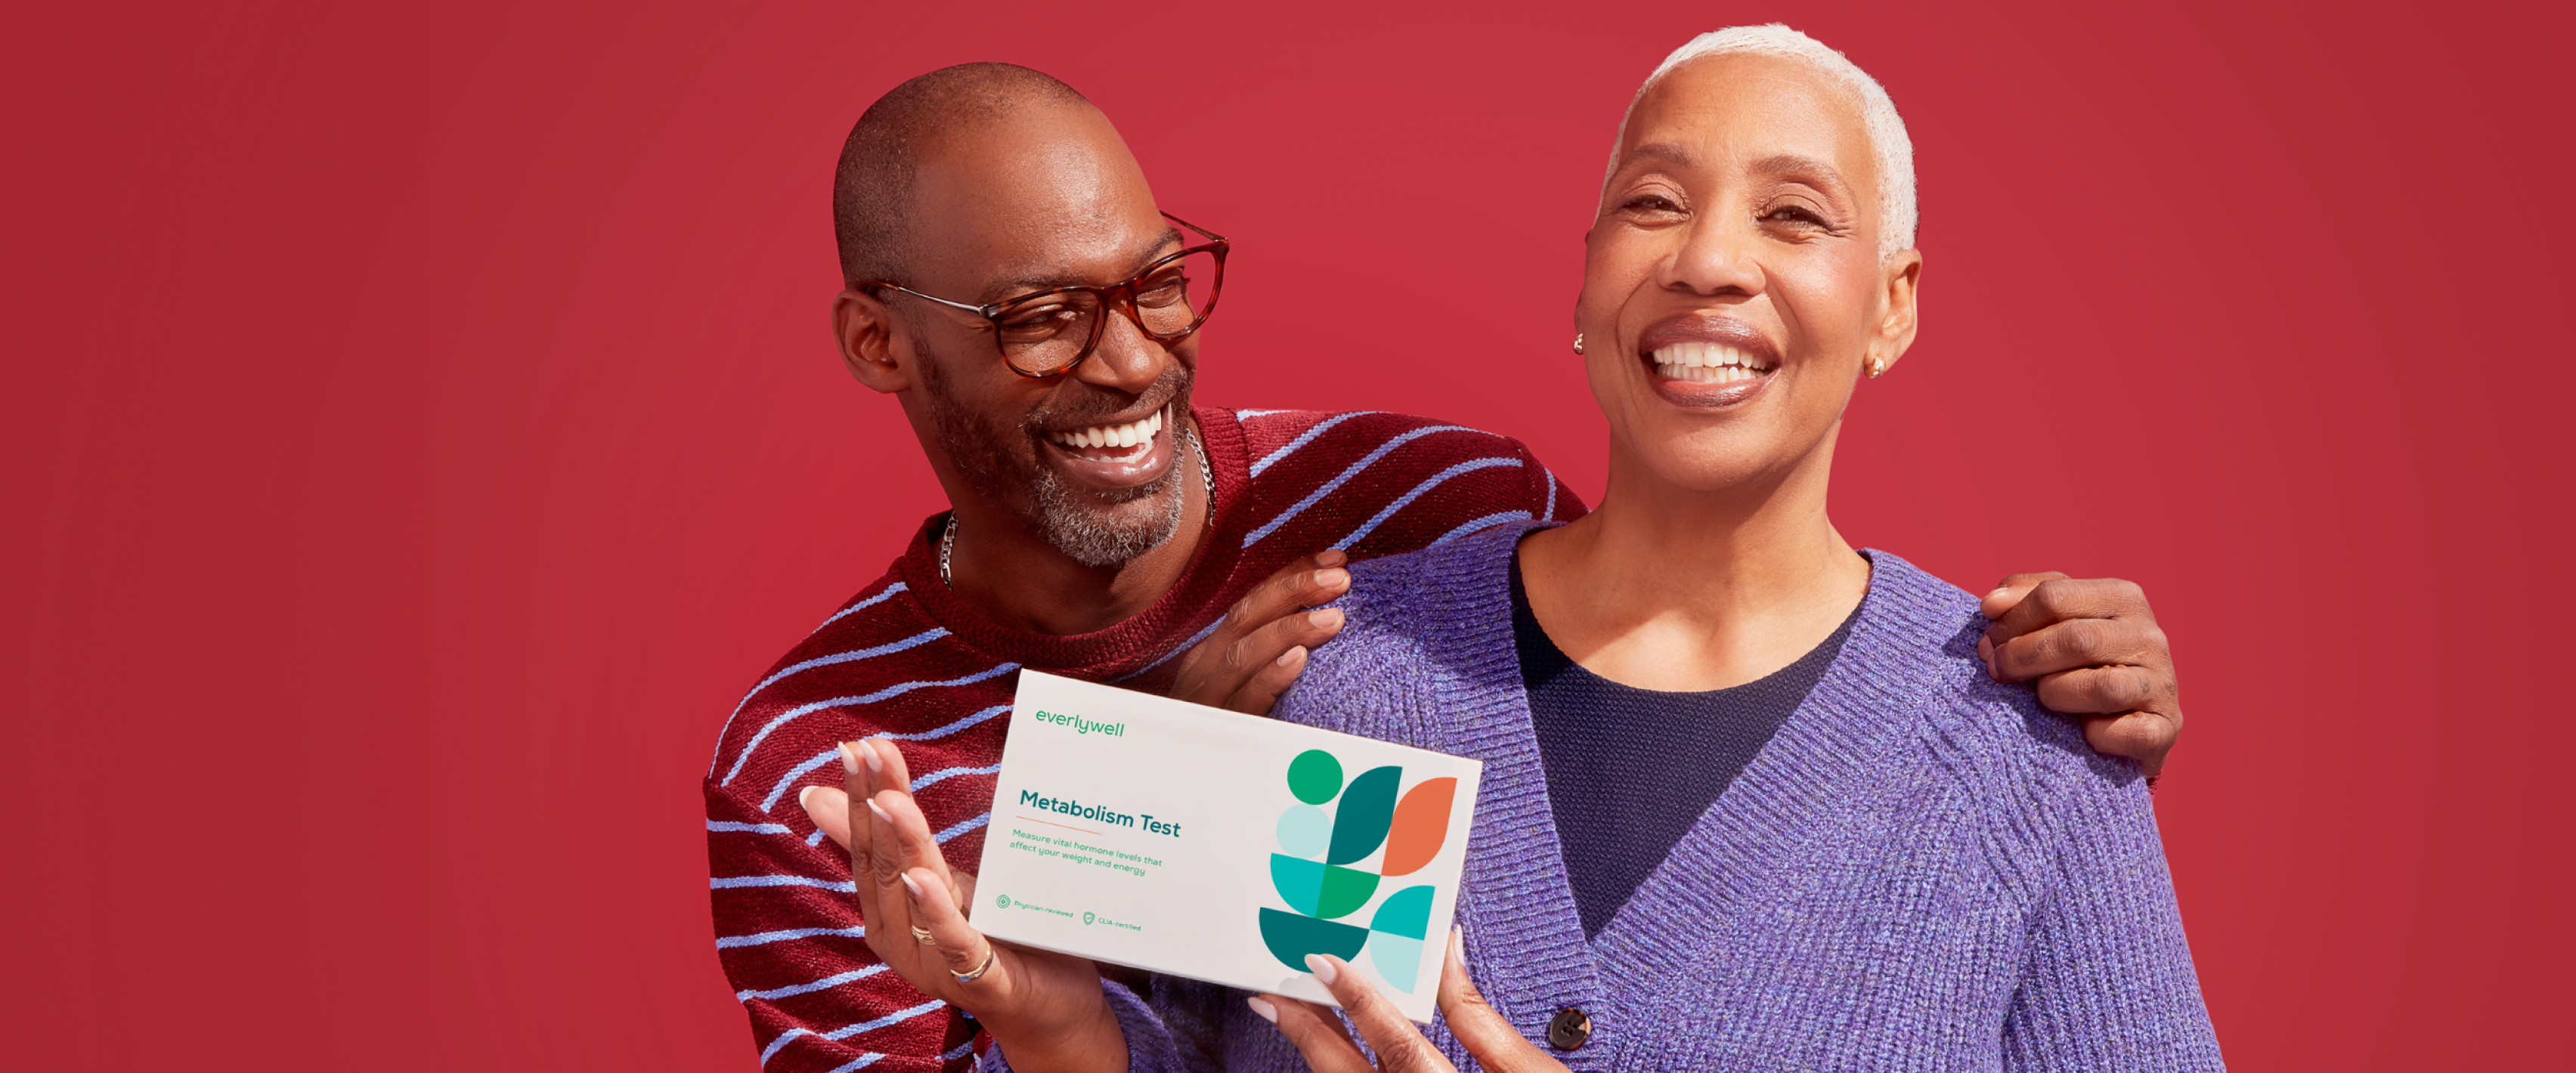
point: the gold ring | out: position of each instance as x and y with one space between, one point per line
922 935
990 953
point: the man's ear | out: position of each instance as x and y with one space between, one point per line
1896 322
864 328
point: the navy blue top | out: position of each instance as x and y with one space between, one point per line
1630 770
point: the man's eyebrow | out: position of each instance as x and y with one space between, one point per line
1034 284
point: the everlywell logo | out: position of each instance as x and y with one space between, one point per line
1320 867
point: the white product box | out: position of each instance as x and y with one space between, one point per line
1183 839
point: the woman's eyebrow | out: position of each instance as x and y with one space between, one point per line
1667 152
1795 165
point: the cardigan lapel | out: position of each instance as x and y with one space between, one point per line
1773 829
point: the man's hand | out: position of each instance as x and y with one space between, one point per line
1261 646
1045 1009
2094 646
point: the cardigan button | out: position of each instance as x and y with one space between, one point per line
1569 1029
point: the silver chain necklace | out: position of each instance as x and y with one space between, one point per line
1207 476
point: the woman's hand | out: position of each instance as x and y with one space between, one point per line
1044 1010
1400 1047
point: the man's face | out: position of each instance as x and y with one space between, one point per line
1088 458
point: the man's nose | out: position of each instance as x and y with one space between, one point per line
1716 257
1126 360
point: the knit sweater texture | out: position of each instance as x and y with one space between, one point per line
1922 870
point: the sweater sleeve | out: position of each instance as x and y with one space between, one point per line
2107 980
789 936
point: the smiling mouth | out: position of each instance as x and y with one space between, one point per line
1112 443
1707 363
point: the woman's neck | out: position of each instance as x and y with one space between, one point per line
1673 588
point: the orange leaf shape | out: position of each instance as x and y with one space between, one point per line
1421 825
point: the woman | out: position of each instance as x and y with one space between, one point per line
1915 868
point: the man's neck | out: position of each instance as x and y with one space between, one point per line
1012 576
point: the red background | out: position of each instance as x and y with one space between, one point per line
419 426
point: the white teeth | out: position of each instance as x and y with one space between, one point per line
1130 434
1706 356
1706 374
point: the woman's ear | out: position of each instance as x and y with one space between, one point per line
1896 320
864 328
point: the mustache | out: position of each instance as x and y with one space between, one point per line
1097 405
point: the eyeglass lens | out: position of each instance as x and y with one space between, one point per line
1047 332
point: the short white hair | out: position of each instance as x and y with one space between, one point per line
1890 147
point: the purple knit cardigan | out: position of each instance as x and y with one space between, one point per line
1923 870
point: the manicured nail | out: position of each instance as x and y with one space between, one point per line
849 759
1458 946
909 885
1290 656
874 764
804 796
883 816
1261 1006
1323 969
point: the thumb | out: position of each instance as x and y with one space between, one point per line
2009 592
1484 1032
829 808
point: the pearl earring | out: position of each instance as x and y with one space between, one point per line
1578 342
1876 367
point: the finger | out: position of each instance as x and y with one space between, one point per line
956 944
1261 694
1217 666
878 874
857 824
1484 1032
829 808
2102 691
1314 1031
1400 1046
2078 643
2061 599
2010 590
2146 737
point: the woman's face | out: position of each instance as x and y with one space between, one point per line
1732 289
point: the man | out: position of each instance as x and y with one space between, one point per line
1013 283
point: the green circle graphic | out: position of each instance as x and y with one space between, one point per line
1314 776
1001 901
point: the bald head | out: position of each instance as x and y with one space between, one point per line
872 192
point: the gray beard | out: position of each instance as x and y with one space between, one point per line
1085 524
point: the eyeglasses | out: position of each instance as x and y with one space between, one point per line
1048 333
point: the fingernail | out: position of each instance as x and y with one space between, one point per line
1999 590
1332 579
1458 946
882 815
909 885
874 764
1331 557
1323 969
849 759
1267 1011
1324 616
1290 656
802 796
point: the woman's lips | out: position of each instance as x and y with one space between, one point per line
1116 455
1701 374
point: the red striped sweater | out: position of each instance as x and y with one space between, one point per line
905 659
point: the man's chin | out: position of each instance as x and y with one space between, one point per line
1102 528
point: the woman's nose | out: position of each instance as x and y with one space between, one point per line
1714 259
